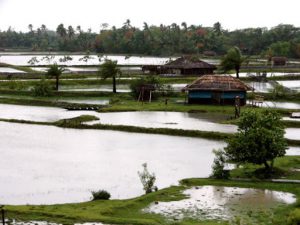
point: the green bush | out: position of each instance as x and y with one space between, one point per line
218 171
42 88
100 195
279 91
15 85
147 179
114 100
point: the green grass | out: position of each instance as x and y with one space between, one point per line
284 169
76 120
129 211
172 106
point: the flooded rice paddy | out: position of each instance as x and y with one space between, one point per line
86 101
291 84
278 105
10 70
46 59
123 88
23 60
71 69
174 120
46 165
269 74
212 202
281 105
262 87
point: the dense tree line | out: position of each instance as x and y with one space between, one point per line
282 40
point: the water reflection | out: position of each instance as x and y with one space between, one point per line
22 60
10 70
291 84
263 87
212 202
45 165
174 120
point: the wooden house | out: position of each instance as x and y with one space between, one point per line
279 61
187 65
217 89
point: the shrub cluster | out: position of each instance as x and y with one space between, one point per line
42 89
100 195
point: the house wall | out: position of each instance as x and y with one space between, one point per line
216 97
196 71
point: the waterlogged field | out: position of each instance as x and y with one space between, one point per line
43 59
221 203
46 165
173 120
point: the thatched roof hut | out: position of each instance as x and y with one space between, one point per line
279 61
187 65
218 82
217 89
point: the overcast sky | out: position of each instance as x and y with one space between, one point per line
232 14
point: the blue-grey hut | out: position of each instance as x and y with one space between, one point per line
217 89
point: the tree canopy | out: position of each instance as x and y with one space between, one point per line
109 69
233 60
282 40
260 139
55 71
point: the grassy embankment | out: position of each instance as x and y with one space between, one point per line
129 211
77 123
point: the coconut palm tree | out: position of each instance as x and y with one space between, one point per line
109 69
55 71
233 60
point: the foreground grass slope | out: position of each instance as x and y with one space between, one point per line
129 211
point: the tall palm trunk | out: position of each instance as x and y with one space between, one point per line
114 85
56 82
237 70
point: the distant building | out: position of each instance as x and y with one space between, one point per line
187 65
217 89
279 61
209 53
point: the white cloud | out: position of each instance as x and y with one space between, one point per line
91 13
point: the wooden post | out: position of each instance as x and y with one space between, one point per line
150 96
237 106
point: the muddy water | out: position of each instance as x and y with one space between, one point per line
10 70
273 74
292 133
291 84
293 151
281 105
263 87
212 202
107 88
44 164
22 60
87 101
177 120
174 120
